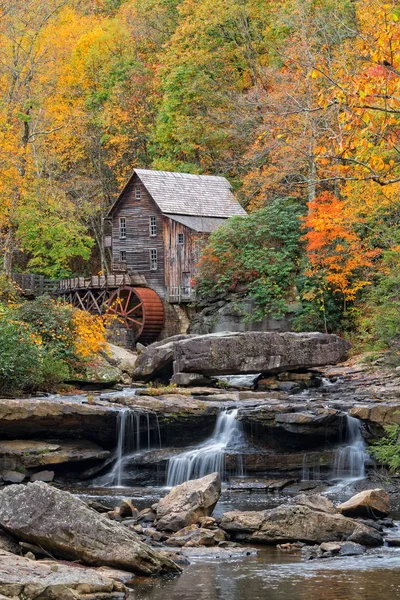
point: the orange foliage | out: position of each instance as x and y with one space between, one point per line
335 247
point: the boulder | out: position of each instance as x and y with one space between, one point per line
290 524
187 502
122 358
156 360
341 549
257 352
59 522
46 476
369 503
97 374
315 502
190 379
197 536
366 536
13 476
28 579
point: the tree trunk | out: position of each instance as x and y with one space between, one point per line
8 253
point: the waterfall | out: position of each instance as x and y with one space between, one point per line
130 441
209 456
349 459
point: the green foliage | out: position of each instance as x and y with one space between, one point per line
380 322
260 252
20 358
322 310
53 323
223 384
41 345
51 235
9 291
387 449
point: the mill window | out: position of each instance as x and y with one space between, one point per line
181 238
153 259
122 228
137 193
153 227
122 256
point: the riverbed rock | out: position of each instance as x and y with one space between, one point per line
8 543
329 549
156 360
46 476
187 502
28 579
366 536
13 476
197 536
64 525
190 380
315 502
27 454
97 374
369 503
36 418
289 524
122 358
257 352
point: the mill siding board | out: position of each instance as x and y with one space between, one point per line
192 205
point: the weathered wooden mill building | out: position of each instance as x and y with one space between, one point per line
159 221
158 224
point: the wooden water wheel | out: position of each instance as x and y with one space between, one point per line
139 310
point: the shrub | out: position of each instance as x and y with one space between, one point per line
259 252
380 322
21 357
387 449
44 342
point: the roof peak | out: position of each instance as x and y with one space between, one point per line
180 175
187 193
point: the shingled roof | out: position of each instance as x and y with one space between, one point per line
186 194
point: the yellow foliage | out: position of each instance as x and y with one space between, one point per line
90 334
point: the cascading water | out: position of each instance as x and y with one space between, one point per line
132 438
349 459
209 456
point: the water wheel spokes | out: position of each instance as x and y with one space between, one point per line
128 308
139 310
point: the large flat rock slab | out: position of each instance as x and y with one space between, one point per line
37 453
56 418
257 352
65 526
295 523
27 579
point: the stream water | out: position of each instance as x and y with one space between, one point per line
209 456
271 574
276 575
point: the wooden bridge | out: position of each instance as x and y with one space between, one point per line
124 296
34 285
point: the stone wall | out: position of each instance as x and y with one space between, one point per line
230 315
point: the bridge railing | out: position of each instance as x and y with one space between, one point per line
33 284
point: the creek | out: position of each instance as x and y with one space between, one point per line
272 574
